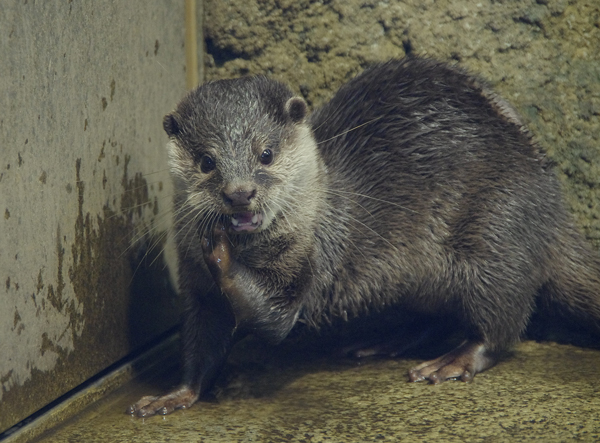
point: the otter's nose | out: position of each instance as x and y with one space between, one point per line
239 198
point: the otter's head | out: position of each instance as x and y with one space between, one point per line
242 152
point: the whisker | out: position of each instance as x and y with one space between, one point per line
190 225
158 171
368 197
156 220
350 130
149 202
356 220
150 248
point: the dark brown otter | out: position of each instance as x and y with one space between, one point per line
414 187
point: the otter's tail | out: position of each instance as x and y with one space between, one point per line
574 286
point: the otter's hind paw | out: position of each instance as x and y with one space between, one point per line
461 363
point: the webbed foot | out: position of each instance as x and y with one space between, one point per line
461 363
181 398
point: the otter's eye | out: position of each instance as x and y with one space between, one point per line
266 157
207 164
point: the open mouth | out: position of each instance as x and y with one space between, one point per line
246 221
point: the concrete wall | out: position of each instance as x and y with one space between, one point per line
84 189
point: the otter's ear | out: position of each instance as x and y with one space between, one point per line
296 108
171 125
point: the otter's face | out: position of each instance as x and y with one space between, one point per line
241 155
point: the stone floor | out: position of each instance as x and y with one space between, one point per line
541 392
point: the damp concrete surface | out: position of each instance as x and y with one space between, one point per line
540 392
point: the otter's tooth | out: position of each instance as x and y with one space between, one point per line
234 221
254 219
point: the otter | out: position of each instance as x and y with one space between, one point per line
416 187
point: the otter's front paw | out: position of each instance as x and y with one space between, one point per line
181 398
217 252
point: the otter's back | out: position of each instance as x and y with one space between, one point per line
423 118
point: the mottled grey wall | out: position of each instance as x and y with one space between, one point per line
84 189
541 55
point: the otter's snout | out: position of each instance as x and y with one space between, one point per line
239 198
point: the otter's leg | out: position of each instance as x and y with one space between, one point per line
494 304
207 334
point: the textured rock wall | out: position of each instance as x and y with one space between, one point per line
543 56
